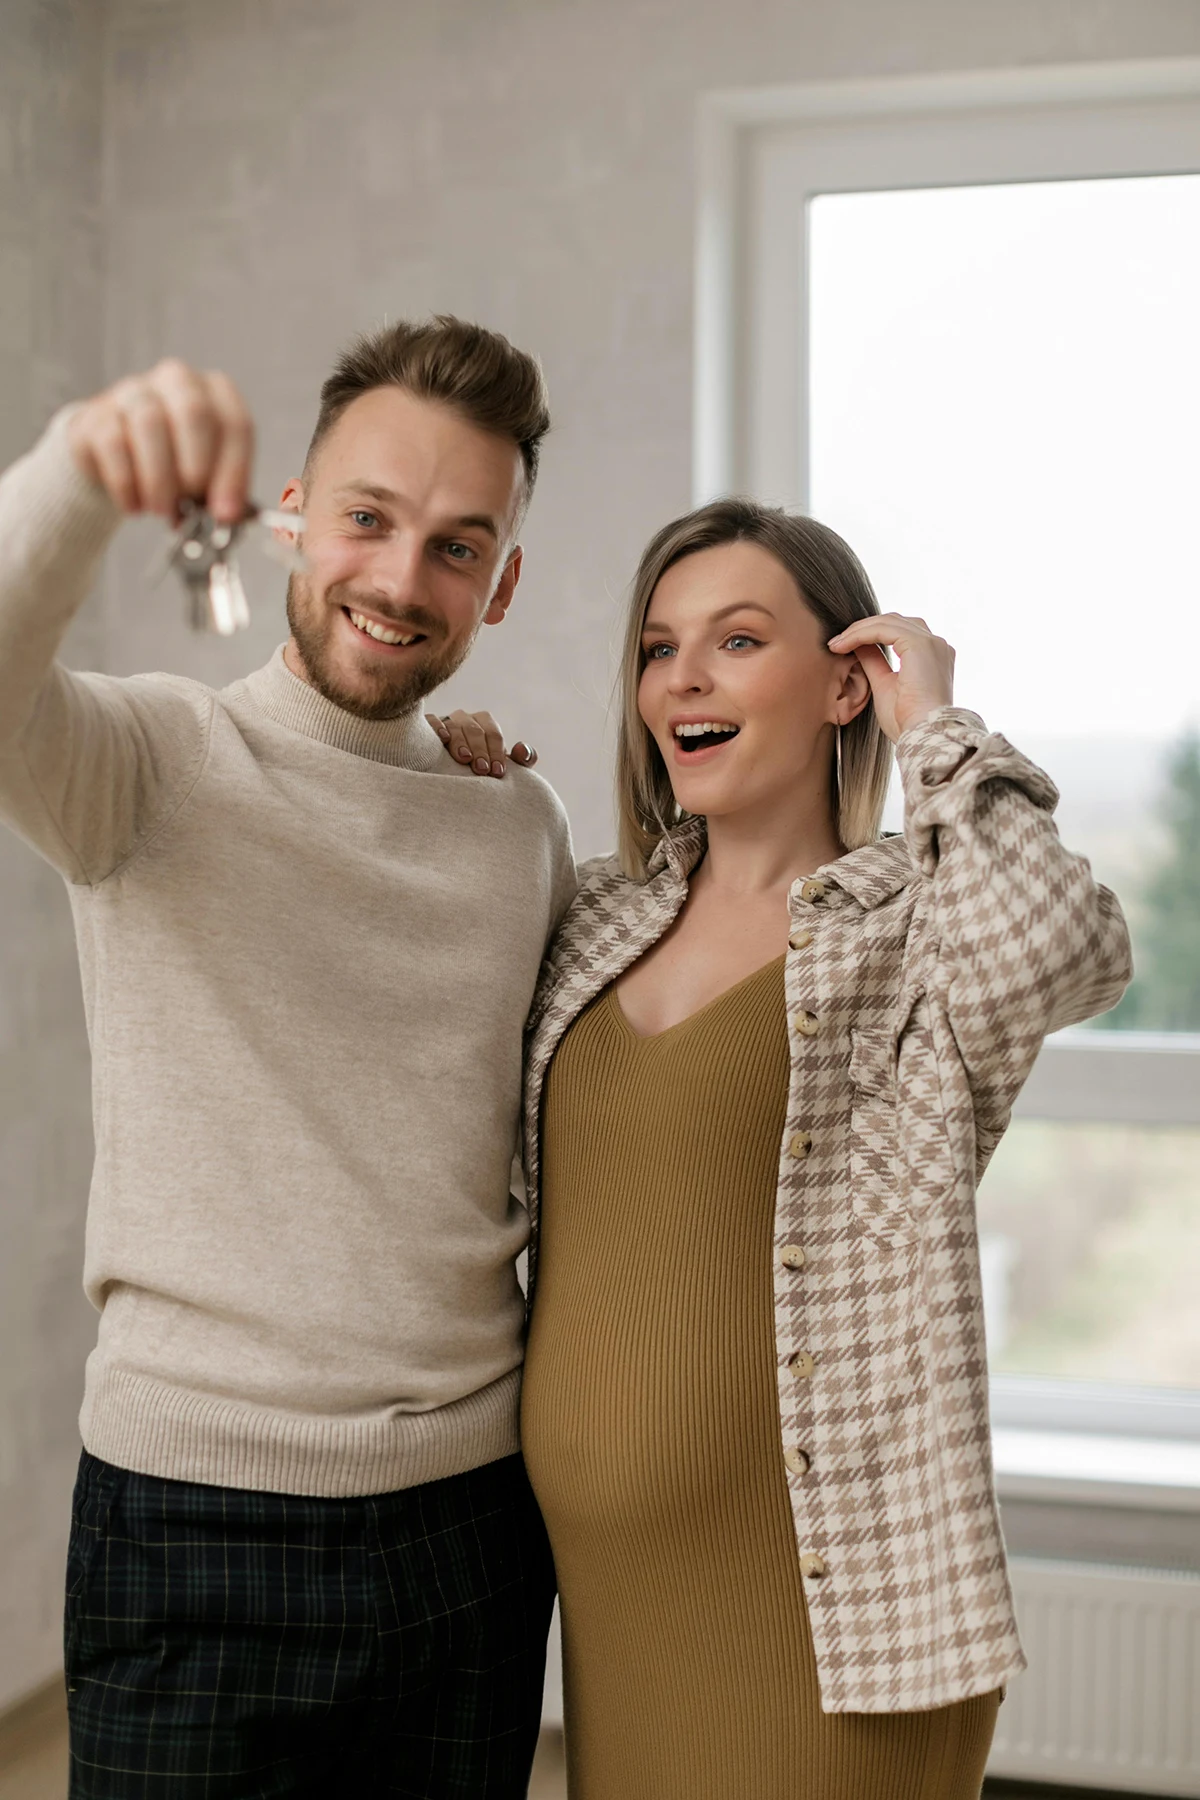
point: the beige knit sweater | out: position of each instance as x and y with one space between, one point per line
308 944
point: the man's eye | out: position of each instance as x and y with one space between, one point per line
364 518
459 552
659 652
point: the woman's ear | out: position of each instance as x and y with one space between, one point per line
854 693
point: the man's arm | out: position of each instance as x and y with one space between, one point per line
88 764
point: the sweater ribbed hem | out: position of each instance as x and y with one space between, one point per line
152 1428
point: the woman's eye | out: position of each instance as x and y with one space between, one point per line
739 638
364 518
658 652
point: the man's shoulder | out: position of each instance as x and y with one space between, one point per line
531 797
171 701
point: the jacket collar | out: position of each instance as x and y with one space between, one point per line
870 875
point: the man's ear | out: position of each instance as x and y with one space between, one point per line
501 600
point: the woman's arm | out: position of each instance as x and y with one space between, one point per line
1023 939
1019 938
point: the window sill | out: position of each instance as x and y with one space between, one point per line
1071 1468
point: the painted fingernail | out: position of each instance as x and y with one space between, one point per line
482 764
497 768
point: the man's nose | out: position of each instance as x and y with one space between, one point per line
397 571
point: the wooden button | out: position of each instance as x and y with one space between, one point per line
796 1459
799 1144
800 940
802 1363
812 890
792 1256
807 1024
812 1566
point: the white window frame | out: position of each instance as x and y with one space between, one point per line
762 155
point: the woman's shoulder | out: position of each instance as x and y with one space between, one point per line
604 888
603 872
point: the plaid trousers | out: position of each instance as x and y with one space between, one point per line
223 1643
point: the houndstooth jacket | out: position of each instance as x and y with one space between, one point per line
922 975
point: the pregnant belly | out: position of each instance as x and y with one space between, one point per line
633 1419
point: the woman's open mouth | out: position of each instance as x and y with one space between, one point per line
709 734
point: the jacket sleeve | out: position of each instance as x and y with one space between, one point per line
89 765
1022 939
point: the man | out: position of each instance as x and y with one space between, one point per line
304 1556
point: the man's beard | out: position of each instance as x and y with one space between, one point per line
381 693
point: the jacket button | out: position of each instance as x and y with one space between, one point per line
807 1024
812 1566
800 940
797 1460
799 1144
812 890
802 1363
792 1256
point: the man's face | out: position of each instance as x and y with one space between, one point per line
409 514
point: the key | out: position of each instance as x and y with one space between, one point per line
204 554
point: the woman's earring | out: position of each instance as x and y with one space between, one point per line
838 729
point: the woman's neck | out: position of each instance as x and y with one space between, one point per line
769 847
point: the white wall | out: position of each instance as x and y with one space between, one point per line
50 349
284 174
278 175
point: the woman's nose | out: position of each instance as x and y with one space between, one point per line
689 676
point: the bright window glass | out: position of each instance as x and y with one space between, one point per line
1003 406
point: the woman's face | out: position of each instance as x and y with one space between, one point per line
729 643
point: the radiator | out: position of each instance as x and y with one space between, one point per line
1111 1698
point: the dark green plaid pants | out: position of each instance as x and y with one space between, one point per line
222 1643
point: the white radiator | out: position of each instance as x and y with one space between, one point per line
1111 1698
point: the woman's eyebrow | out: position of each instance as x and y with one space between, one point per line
722 613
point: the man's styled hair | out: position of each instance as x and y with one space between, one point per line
477 372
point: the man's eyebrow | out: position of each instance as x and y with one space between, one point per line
386 496
738 606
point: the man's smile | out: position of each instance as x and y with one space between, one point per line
391 637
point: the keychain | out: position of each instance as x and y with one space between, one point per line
204 554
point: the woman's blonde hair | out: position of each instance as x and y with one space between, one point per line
833 584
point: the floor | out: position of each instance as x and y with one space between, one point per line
33 1763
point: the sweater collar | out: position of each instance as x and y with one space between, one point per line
407 742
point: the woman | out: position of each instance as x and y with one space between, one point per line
769 1057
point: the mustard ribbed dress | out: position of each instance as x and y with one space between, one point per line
652 1439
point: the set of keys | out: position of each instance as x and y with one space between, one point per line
204 554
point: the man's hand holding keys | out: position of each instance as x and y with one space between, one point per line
175 433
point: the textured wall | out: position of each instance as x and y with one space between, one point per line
280 173
286 173
50 349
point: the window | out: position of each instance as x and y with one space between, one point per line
955 320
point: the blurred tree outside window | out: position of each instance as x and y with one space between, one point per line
1165 992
